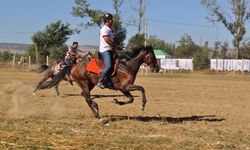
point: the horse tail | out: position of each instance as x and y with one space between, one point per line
40 69
56 79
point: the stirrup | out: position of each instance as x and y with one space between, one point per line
100 85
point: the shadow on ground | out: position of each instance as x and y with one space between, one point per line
206 118
98 96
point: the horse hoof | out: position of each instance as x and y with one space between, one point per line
142 108
116 101
104 121
34 94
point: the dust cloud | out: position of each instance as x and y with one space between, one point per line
16 101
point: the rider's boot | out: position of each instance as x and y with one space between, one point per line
101 81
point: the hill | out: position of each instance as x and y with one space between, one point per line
21 48
14 47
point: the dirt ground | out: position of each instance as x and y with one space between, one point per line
184 111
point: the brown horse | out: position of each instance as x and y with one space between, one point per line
49 72
123 80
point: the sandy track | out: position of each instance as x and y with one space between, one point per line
192 111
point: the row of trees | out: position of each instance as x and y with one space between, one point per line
51 41
186 48
5 56
234 21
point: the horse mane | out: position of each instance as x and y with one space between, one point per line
136 50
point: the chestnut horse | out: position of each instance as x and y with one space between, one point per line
123 80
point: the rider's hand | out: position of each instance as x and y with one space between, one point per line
78 60
119 47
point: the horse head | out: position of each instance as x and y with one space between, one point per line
150 59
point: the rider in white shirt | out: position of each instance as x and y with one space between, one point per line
106 47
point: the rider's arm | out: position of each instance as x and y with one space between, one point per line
73 53
108 41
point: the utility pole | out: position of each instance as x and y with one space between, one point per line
145 34
217 32
200 41
145 22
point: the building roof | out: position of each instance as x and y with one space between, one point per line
160 52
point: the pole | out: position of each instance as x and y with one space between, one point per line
13 61
217 32
242 65
145 22
145 35
47 60
29 61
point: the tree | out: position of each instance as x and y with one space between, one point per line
6 56
117 4
82 10
138 39
135 41
216 51
235 21
37 39
140 11
201 59
245 50
58 52
54 35
186 48
223 51
220 50
161 44
93 18
120 30
31 51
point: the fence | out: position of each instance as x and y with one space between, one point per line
230 65
24 61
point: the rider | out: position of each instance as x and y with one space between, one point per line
71 55
106 47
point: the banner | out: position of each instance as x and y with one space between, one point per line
177 64
230 64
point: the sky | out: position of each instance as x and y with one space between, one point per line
167 19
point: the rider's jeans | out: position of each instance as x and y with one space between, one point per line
108 61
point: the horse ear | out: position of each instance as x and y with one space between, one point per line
149 47
141 47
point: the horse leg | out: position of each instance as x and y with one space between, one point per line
39 84
86 88
127 94
138 88
57 90
93 105
69 79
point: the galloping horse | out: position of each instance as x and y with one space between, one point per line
50 72
123 80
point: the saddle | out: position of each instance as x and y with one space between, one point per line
96 66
